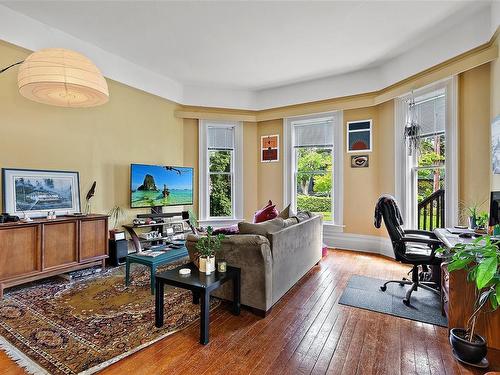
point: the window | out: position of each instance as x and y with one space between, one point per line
220 171
221 195
426 179
315 162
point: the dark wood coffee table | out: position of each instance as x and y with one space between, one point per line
201 285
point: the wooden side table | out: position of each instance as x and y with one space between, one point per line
201 285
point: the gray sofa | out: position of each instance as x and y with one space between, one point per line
270 265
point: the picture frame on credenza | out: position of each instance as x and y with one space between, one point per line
34 192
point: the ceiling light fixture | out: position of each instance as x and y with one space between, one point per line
61 77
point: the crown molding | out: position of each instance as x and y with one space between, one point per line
459 64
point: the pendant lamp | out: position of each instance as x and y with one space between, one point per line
61 77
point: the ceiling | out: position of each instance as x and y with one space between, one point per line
246 45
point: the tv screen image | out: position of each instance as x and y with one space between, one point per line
157 185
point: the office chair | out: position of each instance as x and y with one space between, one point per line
414 247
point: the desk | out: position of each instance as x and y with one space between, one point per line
458 296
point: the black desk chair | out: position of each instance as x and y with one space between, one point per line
415 247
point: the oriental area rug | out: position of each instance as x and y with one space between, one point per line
60 327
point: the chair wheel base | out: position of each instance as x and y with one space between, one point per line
406 302
383 288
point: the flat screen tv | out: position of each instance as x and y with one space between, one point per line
158 185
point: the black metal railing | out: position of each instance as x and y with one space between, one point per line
431 211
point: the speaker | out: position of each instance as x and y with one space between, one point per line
118 251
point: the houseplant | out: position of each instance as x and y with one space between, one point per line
207 246
471 213
115 214
481 260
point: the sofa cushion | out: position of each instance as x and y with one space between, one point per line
303 215
262 229
290 221
266 213
286 212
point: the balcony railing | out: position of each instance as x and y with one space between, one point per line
431 211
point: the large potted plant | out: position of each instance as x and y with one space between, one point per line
207 246
480 259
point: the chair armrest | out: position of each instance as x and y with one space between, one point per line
421 233
428 241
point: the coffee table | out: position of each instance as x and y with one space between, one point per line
153 262
201 285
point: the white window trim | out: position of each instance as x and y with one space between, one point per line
237 182
401 171
338 165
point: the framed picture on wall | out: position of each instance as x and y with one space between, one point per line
35 192
360 161
269 148
359 136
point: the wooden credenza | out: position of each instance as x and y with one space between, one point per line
43 248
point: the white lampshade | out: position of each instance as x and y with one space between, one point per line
57 76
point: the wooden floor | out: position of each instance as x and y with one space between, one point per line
307 332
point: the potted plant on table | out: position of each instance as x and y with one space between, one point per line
481 260
207 246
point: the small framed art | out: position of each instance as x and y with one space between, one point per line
269 148
359 136
359 161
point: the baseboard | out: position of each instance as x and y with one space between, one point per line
359 242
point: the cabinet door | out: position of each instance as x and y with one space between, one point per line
19 251
60 244
93 239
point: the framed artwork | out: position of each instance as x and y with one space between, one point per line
495 145
34 192
178 227
359 136
269 148
360 161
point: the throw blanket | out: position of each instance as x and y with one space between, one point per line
393 206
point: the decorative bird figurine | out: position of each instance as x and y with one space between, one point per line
89 196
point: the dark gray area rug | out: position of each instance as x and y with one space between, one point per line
364 292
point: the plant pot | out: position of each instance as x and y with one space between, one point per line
472 222
471 352
207 265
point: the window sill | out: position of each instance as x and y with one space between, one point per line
219 222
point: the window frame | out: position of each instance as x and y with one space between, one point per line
236 173
404 179
289 168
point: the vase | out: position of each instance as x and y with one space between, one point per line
207 265
472 222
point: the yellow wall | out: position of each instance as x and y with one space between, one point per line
250 169
190 155
100 142
474 137
270 175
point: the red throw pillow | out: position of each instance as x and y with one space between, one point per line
266 213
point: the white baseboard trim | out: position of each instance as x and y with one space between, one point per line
358 242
